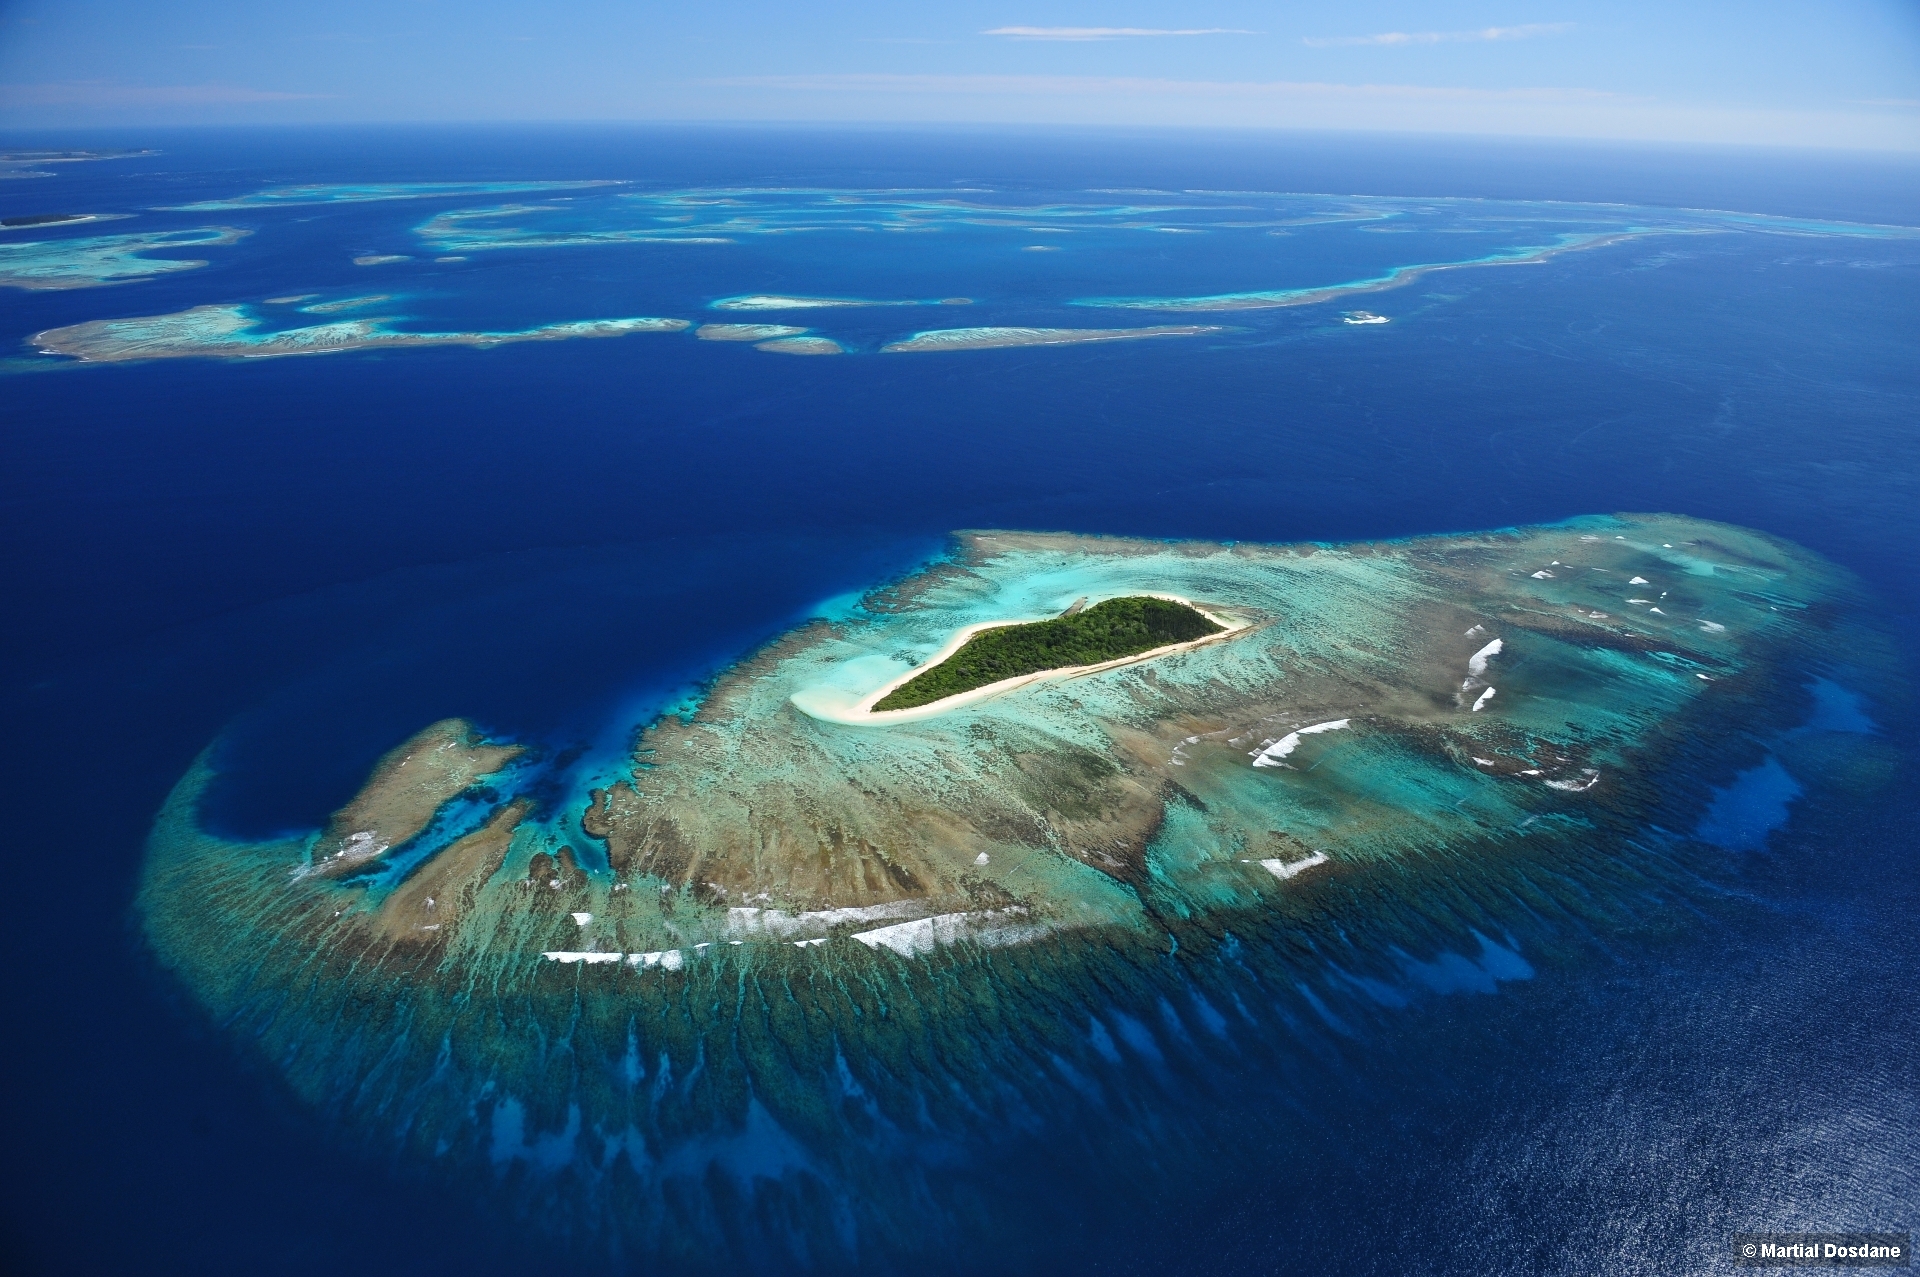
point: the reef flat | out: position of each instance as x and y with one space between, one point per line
476 230
409 786
1397 277
26 163
104 259
29 220
938 339
779 985
226 332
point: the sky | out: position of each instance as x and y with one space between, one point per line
1842 74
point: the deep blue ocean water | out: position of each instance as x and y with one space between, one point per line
311 558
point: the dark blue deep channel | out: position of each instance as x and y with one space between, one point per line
316 557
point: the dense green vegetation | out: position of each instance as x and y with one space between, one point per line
1104 632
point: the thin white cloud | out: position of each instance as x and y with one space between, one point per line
1525 32
1000 85
1252 104
103 93
1886 101
1104 33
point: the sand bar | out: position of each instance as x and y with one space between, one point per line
1000 338
801 346
770 301
745 332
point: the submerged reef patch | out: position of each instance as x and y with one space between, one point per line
369 192
105 259
226 332
783 986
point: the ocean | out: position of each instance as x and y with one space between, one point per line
300 562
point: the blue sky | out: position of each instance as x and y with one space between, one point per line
1845 73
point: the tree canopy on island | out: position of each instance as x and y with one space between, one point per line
1104 632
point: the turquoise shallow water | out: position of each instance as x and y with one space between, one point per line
306 560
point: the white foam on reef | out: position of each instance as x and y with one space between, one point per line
665 959
777 924
1712 627
1639 580
1365 317
1480 702
1543 575
1588 779
581 919
380 259
1284 870
994 928
1477 663
360 846
588 959
1274 754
